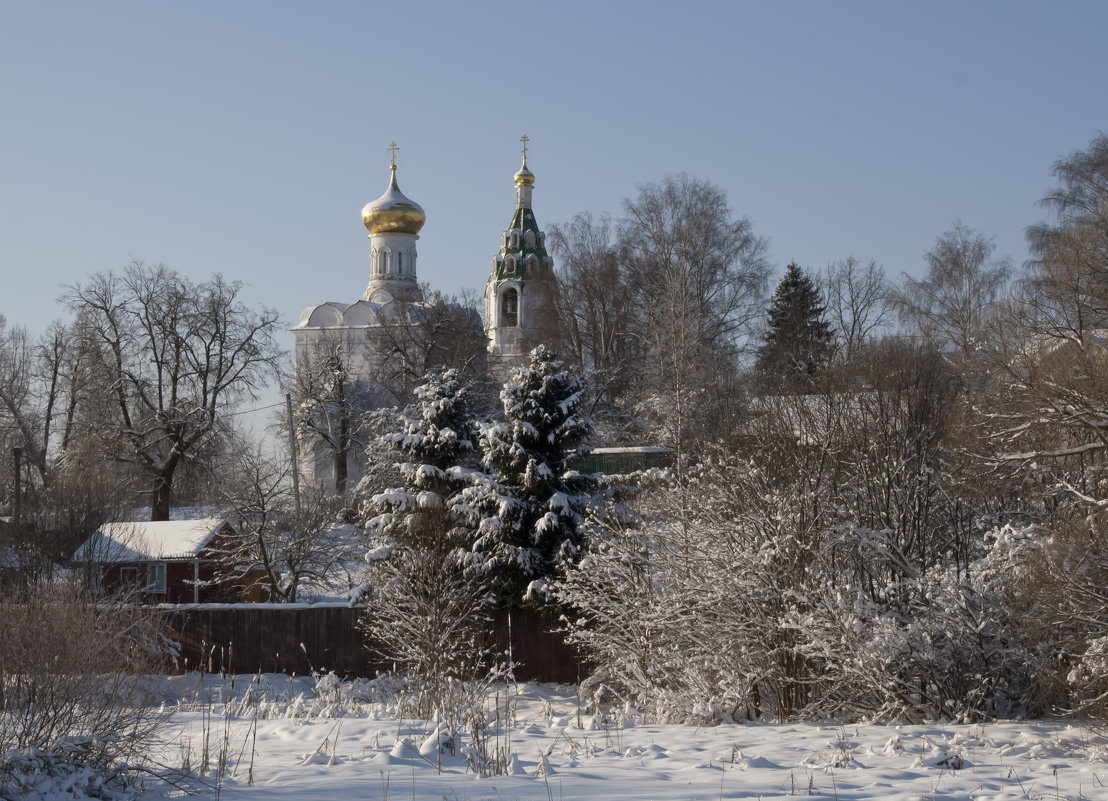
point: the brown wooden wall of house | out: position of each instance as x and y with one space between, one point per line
179 577
245 639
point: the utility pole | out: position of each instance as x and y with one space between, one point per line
17 455
295 459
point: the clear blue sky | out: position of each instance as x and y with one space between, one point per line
244 137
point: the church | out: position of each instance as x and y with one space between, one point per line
352 358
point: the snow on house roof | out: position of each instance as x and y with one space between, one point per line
629 449
147 541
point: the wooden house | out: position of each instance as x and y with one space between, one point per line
176 561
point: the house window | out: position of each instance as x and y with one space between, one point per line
509 308
155 577
129 578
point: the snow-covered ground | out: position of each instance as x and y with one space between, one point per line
293 740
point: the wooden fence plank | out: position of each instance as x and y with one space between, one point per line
246 638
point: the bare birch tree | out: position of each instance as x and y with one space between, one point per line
698 276
41 384
951 303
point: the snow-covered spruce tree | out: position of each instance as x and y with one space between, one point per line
427 615
530 506
798 340
437 442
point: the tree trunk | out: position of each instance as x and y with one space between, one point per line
163 492
159 504
340 454
344 441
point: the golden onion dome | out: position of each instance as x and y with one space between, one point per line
393 212
525 177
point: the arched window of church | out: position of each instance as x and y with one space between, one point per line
510 264
374 262
513 240
400 263
509 308
383 261
529 238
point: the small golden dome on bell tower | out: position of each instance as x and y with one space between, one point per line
525 177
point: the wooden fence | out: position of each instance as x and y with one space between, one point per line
275 638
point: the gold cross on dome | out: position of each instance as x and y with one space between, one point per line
392 149
525 140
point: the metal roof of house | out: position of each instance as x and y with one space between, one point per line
146 541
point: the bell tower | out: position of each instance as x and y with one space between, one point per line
520 311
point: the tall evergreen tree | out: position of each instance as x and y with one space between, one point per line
437 440
531 505
429 615
798 340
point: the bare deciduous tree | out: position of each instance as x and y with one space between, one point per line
1049 349
963 283
681 231
698 276
858 302
41 385
600 322
1082 193
331 403
177 356
412 338
293 542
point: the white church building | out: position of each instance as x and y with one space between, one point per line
394 323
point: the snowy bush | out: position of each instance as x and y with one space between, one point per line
73 680
678 616
939 645
751 593
1061 605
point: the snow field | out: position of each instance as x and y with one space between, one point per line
316 746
